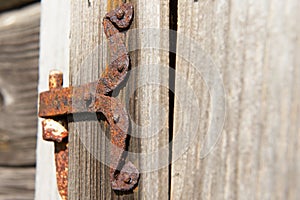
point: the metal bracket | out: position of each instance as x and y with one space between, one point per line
58 102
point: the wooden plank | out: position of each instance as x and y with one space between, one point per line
88 177
7 5
19 50
19 38
256 49
54 54
150 93
87 141
17 183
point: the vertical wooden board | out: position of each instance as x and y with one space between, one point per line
19 52
88 177
192 113
149 97
54 54
255 48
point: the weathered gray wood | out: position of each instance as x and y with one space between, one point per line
255 46
17 183
150 97
54 54
19 49
88 177
6 5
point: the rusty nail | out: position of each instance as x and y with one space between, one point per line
55 79
88 98
116 118
127 179
120 13
121 68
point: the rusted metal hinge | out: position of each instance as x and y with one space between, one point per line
94 97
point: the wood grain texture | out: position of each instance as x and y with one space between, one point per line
54 54
88 177
87 138
19 50
150 97
255 45
13 186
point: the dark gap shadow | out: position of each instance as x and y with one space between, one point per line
173 19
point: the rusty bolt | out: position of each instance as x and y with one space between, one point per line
55 79
120 14
116 118
121 68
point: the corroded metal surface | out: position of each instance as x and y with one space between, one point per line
53 131
62 166
94 97
56 132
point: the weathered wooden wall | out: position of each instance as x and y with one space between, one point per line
253 47
19 52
